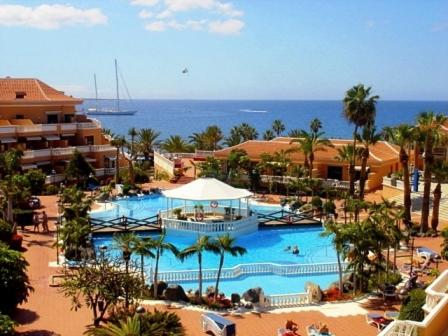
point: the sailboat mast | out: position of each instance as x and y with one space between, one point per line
96 92
116 80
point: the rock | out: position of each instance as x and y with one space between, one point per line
175 293
160 288
235 298
253 295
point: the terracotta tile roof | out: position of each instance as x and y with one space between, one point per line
381 152
32 90
4 122
21 122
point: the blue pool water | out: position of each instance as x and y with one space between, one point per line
264 245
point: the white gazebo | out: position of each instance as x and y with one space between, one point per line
209 207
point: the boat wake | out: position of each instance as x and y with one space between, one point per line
253 111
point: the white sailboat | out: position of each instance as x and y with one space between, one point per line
109 111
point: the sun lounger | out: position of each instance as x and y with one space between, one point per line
314 331
285 332
218 325
427 253
389 292
377 320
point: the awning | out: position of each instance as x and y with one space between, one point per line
33 138
358 168
8 140
29 166
90 160
43 163
68 134
204 189
52 137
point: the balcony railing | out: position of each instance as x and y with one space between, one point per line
23 130
67 151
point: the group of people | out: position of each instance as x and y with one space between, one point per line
41 219
294 250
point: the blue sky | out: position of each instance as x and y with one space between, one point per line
238 49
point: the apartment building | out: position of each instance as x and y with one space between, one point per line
43 123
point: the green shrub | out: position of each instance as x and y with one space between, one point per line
5 231
14 283
444 245
329 207
412 306
316 202
36 180
6 325
51 190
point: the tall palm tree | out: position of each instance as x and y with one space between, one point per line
226 245
278 127
129 327
336 232
359 110
213 136
175 144
440 170
268 135
429 126
146 139
247 132
160 245
369 137
201 245
403 136
315 125
143 247
118 142
131 153
125 242
198 140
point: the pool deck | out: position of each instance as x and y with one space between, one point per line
48 312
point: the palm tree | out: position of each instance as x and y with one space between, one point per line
440 170
315 125
198 140
336 232
213 136
125 242
131 153
268 135
146 139
403 136
202 244
360 110
278 127
429 126
226 245
118 142
175 144
160 245
346 154
368 138
143 247
234 137
294 133
129 327
247 132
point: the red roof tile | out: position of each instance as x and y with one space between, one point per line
32 89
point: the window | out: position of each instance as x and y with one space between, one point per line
68 118
19 116
20 94
89 140
52 119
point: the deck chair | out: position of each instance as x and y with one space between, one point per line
377 320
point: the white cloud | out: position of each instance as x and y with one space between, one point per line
165 14
226 27
148 3
228 9
187 5
196 24
156 26
145 14
49 16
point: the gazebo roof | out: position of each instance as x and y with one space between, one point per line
207 189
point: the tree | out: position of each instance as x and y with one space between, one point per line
143 247
175 144
268 135
100 284
236 161
118 142
146 139
198 141
160 245
213 136
78 168
403 136
234 138
369 137
36 180
440 170
339 240
278 127
131 154
225 245
359 110
211 167
74 235
202 244
429 126
14 282
247 132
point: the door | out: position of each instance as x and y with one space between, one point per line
334 173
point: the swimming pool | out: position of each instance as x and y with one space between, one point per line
267 245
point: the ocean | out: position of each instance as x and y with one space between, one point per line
183 117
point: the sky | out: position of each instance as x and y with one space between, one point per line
237 49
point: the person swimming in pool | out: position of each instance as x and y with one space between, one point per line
287 248
295 250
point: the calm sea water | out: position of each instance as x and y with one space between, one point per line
183 117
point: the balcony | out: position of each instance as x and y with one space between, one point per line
45 129
60 153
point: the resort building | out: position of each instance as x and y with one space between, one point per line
383 159
43 123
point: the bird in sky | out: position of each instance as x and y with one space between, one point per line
185 71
